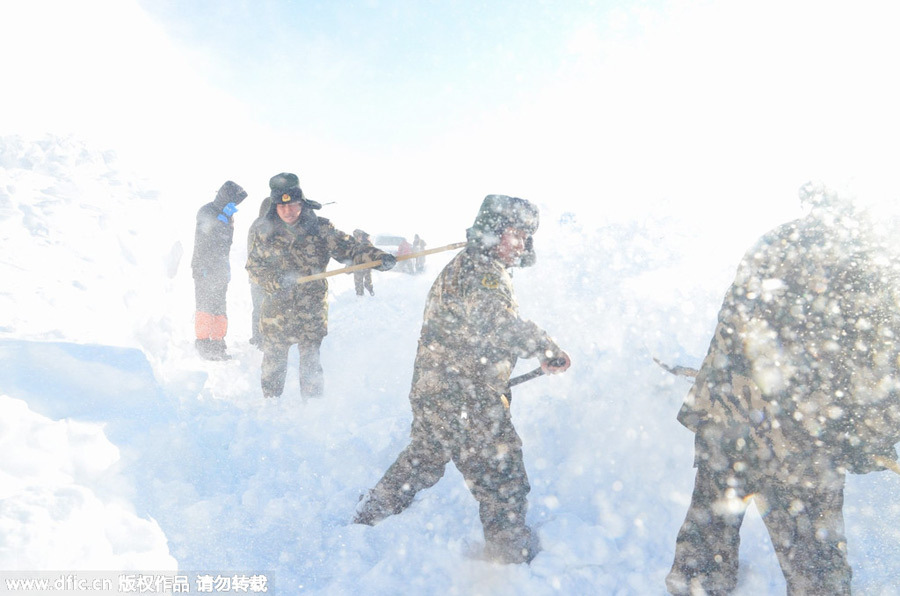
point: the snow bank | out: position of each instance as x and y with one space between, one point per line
149 457
56 509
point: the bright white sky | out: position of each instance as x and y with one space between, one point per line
421 108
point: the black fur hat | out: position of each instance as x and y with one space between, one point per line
283 181
287 183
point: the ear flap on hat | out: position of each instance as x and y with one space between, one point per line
529 257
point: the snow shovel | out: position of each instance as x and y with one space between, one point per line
533 374
371 264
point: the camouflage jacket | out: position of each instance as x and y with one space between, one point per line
804 356
472 334
279 254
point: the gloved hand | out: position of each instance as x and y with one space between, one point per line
227 211
288 279
559 363
387 262
283 287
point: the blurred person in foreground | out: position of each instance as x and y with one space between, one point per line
470 341
211 268
290 242
798 388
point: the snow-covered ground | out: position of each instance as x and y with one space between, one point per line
123 451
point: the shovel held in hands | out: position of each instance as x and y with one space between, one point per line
533 374
372 264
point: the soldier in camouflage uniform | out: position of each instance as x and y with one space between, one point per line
291 242
277 185
471 338
799 387
363 279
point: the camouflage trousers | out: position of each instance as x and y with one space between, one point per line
486 449
257 295
805 524
274 368
362 280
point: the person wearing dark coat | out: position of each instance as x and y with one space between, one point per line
212 271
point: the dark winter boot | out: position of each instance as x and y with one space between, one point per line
204 348
220 351
369 511
211 349
511 547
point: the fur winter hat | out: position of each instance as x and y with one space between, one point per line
499 212
282 181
